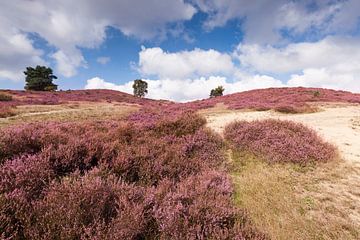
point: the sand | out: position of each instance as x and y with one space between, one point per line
338 124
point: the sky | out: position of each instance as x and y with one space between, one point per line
183 48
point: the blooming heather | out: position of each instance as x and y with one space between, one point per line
155 176
279 141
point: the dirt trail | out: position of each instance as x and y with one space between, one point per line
339 125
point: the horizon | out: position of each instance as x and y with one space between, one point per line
183 49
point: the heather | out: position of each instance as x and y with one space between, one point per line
286 100
69 96
155 176
279 141
6 111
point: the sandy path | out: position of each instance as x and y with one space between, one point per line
338 125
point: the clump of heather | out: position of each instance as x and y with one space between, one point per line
279 141
155 176
6 111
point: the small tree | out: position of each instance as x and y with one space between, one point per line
40 79
140 88
216 92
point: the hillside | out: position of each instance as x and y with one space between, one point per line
277 163
297 99
63 97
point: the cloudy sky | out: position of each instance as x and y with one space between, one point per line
183 48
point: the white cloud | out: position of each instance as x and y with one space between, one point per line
184 64
183 90
16 53
263 20
333 62
67 63
341 54
325 78
68 25
103 60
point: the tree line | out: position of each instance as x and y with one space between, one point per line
41 78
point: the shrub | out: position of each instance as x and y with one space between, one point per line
279 141
5 97
200 207
157 177
6 111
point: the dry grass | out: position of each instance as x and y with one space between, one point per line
68 112
292 202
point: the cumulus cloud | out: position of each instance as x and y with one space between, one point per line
338 53
183 90
184 64
103 60
68 25
16 53
333 62
263 21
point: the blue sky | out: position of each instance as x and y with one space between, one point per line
183 48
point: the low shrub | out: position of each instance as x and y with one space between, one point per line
6 111
279 141
5 97
156 177
200 207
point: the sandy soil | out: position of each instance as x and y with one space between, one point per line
339 125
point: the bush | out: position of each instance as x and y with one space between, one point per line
117 180
5 97
279 141
6 111
200 207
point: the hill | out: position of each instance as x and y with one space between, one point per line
292 100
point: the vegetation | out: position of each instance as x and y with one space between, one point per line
40 79
5 97
140 88
216 92
6 111
279 141
118 180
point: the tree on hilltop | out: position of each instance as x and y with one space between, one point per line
40 78
216 92
140 88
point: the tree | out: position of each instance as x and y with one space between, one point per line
40 79
140 88
216 92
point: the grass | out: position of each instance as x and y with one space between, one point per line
67 112
288 201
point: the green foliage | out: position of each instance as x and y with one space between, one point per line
5 97
216 92
40 79
316 94
140 88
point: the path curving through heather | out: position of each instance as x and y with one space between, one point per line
338 124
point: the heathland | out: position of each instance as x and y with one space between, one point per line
278 163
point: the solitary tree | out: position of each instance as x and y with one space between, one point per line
40 79
216 92
140 88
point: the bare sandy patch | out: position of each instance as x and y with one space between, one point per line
321 202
